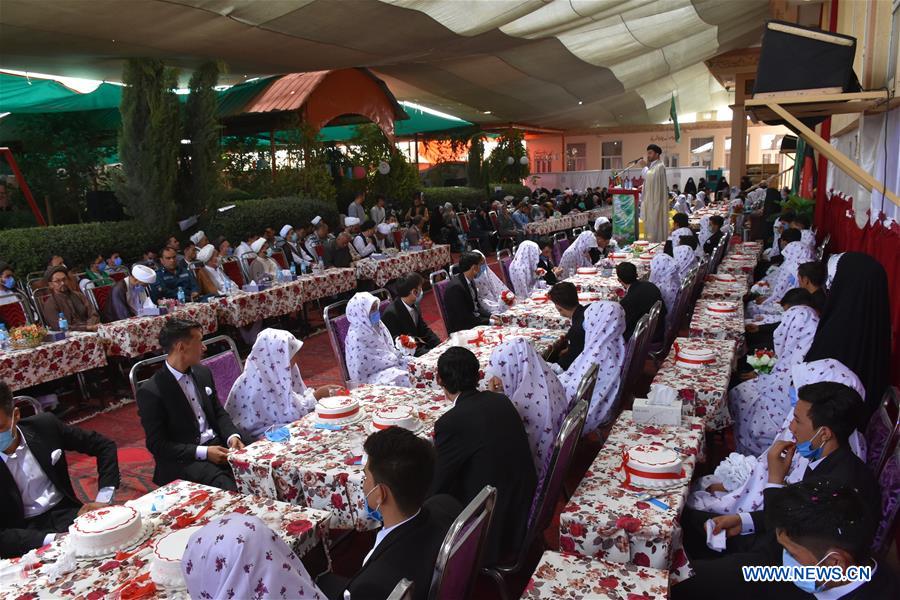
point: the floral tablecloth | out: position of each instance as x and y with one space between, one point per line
186 504
319 467
707 211
538 312
732 291
718 326
739 265
400 264
570 577
78 352
136 336
608 521
703 391
423 368
609 286
642 266
754 248
563 223
330 282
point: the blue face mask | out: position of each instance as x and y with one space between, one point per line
101 267
7 437
9 283
372 513
118 261
806 450
481 271
229 252
808 586
281 434
375 317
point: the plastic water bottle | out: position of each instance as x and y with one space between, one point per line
180 296
304 267
4 337
321 264
63 324
293 270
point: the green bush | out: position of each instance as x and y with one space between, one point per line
16 219
467 196
516 190
29 249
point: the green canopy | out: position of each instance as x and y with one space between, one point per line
419 122
17 93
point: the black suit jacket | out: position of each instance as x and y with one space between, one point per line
481 441
169 422
408 551
44 433
462 312
710 244
547 264
637 302
399 322
574 339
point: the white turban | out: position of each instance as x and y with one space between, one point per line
384 228
206 253
198 236
284 231
316 221
143 273
600 222
258 244
351 221
508 198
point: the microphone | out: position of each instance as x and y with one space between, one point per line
637 160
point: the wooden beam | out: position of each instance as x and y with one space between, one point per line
833 154
800 98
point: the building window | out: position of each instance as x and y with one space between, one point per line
670 160
542 162
576 157
612 155
702 152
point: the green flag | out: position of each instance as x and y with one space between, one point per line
673 114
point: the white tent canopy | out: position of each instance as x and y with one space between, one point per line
551 63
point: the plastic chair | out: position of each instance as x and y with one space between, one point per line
16 313
337 326
439 281
889 482
560 246
232 269
404 590
504 257
225 366
459 558
576 231
883 431
560 459
29 404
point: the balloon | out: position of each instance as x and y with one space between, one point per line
384 168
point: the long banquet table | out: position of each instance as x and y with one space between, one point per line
571 577
186 504
562 223
137 336
320 468
399 264
538 312
605 519
718 326
78 352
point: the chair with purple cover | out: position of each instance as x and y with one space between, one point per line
225 366
550 488
27 405
642 347
459 558
627 364
559 246
439 281
883 430
337 326
674 318
702 270
504 258
889 482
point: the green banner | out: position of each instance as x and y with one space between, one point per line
624 219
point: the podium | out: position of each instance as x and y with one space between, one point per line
625 214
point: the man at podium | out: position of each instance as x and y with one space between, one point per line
655 196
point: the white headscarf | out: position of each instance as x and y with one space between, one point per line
685 259
808 238
270 391
759 406
369 349
522 269
664 275
238 556
604 325
785 278
675 236
832 268
575 255
700 201
682 205
489 288
705 232
535 391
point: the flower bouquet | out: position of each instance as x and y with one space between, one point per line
762 361
27 336
405 344
761 288
540 272
508 297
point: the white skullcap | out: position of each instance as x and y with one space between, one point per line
508 198
384 228
599 222
206 253
526 198
316 221
143 273
198 236
284 231
257 245
351 221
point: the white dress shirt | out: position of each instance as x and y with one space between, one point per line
747 527
377 213
186 383
363 246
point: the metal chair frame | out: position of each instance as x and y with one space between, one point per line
29 400
329 316
135 383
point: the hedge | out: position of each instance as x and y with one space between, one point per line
29 249
471 197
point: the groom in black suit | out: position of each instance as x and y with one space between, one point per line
36 496
186 427
403 316
461 296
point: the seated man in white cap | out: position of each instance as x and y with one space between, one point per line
384 236
213 282
364 242
315 243
263 267
200 240
293 247
129 295
351 225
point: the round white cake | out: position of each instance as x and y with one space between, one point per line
694 358
586 270
649 466
105 531
721 307
337 410
395 416
165 562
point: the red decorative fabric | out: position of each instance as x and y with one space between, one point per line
835 217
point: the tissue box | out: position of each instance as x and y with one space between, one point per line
250 288
655 414
148 311
54 336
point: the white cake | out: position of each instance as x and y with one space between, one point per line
694 358
646 256
165 562
395 416
725 277
649 466
106 531
337 410
586 270
722 308
641 243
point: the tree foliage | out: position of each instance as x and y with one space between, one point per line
367 149
201 160
510 144
149 141
475 165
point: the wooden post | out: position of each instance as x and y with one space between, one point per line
272 151
416 142
738 161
